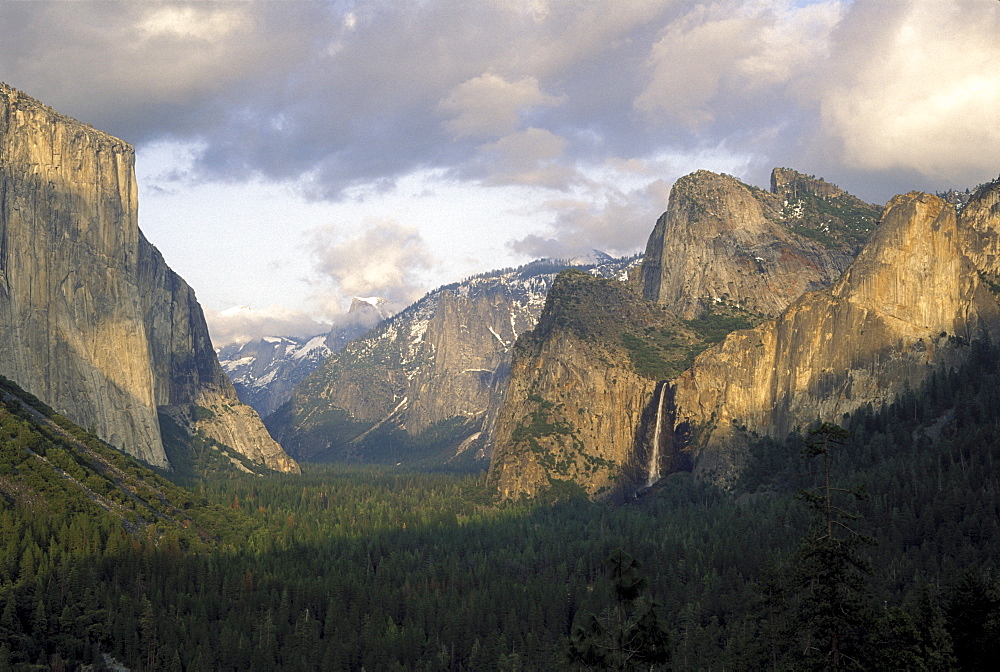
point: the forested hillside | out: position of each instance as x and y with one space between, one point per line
383 569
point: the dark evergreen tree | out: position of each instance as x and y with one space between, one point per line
829 571
974 620
628 635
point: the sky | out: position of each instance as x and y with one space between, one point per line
291 155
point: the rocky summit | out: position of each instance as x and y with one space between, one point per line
266 370
580 389
913 301
92 321
597 411
923 288
722 243
426 385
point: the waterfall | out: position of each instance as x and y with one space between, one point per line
653 473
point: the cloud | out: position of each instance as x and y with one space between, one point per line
146 70
337 97
724 57
386 260
529 157
915 87
206 24
243 323
489 105
617 222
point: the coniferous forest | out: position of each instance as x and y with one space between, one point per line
870 548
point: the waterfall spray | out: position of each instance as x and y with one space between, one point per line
653 473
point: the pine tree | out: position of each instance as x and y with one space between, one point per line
829 573
629 633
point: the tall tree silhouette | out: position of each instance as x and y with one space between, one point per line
829 573
628 634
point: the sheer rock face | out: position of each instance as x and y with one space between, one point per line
445 357
186 370
980 232
91 320
576 402
721 241
71 319
723 251
439 367
911 301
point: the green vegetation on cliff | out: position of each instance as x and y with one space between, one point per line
597 343
611 318
816 209
195 457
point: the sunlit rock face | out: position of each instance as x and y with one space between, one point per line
72 330
911 302
91 319
593 410
724 242
574 408
429 380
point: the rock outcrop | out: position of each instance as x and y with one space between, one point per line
722 242
442 360
578 408
91 320
910 303
71 320
190 385
266 370
427 380
724 256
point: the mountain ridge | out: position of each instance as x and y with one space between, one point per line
736 261
910 303
434 372
92 320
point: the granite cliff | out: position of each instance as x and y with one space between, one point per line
722 243
595 410
913 300
190 385
582 390
923 288
92 321
425 385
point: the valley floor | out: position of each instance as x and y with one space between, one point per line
377 568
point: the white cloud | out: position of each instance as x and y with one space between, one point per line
202 23
490 106
607 219
715 61
920 92
529 157
243 323
386 260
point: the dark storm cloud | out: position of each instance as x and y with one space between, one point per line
870 93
